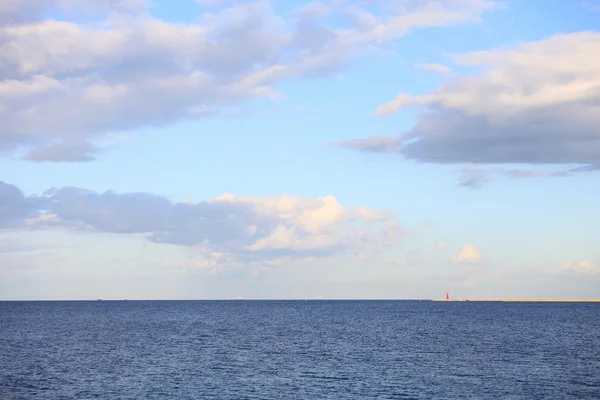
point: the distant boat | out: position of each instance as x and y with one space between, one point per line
100 299
239 298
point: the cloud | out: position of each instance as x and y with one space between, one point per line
591 5
583 267
12 245
14 12
475 178
440 69
14 206
68 84
537 103
66 151
214 3
377 144
468 254
222 229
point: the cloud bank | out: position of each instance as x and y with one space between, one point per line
227 227
66 84
537 103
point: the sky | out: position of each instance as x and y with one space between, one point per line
336 149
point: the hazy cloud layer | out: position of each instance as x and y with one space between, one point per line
226 228
439 68
475 178
590 5
66 85
538 103
441 246
583 267
15 12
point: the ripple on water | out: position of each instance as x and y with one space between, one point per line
299 350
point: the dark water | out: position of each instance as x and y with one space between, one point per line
299 350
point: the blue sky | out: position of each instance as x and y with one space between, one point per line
343 149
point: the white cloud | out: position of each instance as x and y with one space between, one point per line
468 254
316 224
521 79
583 267
538 102
122 69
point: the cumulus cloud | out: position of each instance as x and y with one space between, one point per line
468 254
225 228
68 84
537 103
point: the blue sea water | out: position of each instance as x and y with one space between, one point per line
299 350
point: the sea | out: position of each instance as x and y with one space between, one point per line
299 350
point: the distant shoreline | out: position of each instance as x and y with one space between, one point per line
519 300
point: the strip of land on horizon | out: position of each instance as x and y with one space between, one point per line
522 300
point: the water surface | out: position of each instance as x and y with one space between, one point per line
299 350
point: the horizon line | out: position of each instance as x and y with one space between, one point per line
437 300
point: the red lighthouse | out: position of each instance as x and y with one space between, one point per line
447 296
